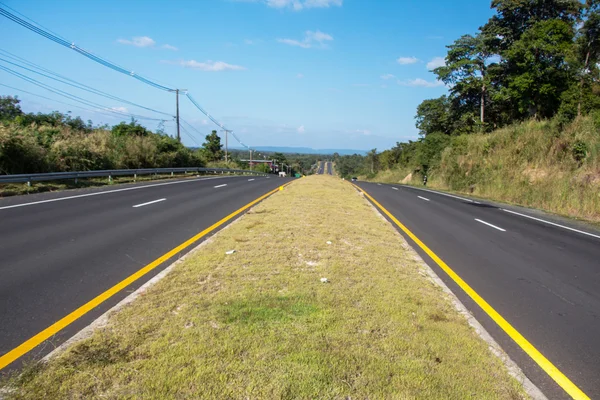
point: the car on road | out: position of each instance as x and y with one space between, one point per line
354 179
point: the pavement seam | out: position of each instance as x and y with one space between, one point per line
513 369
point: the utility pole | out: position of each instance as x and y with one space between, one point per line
226 147
177 113
251 159
177 105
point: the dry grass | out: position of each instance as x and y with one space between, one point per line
534 164
259 324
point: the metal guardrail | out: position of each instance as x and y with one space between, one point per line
55 176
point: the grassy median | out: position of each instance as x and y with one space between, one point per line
260 323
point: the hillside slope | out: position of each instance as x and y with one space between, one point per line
535 164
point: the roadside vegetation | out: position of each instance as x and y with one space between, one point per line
521 121
260 323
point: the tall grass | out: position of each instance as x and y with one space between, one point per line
536 163
34 148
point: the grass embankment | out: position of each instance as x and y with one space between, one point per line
260 323
534 164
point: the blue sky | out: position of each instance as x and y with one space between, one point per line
312 73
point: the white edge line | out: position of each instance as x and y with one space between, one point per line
110 191
445 194
423 198
395 188
218 186
148 203
250 180
488 224
551 223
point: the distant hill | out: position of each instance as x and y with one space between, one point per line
306 150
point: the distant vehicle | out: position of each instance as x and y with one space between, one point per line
282 174
354 179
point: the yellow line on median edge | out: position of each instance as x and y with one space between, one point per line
53 329
554 373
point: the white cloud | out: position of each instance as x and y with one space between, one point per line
300 76
204 122
364 132
436 62
384 86
300 129
138 41
249 41
209 65
293 42
407 60
388 76
421 83
145 41
311 39
298 5
119 109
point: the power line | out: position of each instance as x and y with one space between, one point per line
71 96
190 136
73 46
56 101
40 30
73 83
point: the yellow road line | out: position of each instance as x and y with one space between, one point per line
53 329
523 343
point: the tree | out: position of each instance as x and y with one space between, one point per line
538 71
213 149
372 159
515 17
588 46
434 116
133 128
466 69
9 107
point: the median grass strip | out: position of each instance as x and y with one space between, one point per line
260 323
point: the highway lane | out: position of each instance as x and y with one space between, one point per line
543 279
56 255
321 168
329 168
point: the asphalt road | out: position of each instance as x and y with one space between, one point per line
543 279
60 250
321 168
325 167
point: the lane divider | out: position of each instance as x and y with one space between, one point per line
546 365
114 191
423 198
59 325
220 186
148 203
488 224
